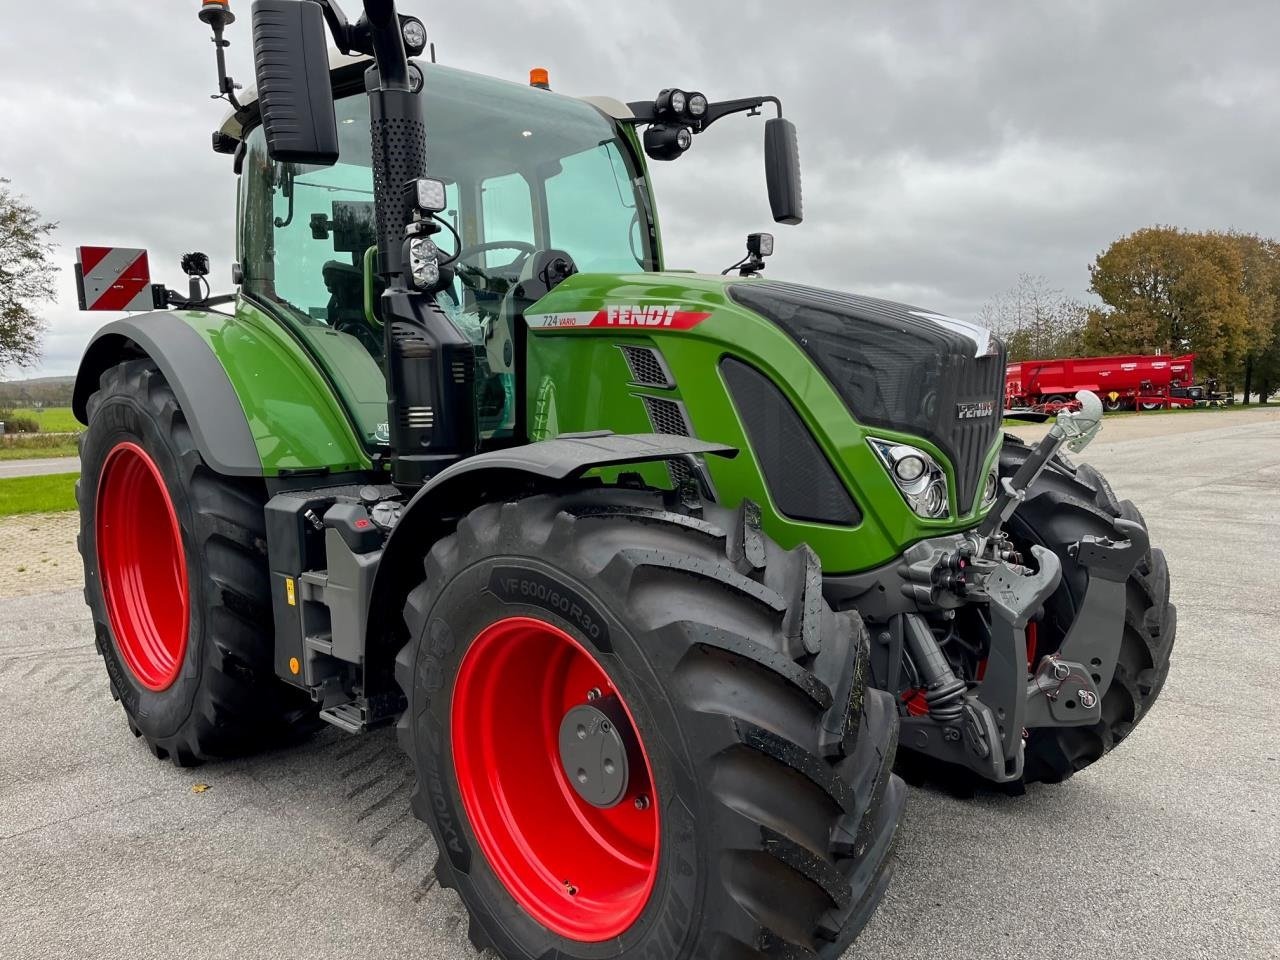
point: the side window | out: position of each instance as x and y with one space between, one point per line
592 232
507 209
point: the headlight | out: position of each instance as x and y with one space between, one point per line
918 477
697 104
991 490
678 101
424 262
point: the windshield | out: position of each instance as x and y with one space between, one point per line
525 170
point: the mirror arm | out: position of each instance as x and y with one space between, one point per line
645 111
749 105
386 43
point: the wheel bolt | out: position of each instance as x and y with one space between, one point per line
642 802
593 694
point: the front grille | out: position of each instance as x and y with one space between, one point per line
896 367
647 367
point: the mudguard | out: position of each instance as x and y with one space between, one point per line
220 429
499 473
259 404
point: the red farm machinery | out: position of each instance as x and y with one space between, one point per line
1132 382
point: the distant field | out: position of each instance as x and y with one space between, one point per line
52 419
38 494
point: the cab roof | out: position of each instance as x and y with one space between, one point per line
344 69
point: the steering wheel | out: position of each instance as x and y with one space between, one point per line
477 279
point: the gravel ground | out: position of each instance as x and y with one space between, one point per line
1165 849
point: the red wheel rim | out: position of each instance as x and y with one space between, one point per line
579 870
142 566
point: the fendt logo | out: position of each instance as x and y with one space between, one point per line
978 410
649 316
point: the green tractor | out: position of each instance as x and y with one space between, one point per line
654 570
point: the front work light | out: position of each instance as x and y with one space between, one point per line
760 244
666 142
697 105
429 195
415 36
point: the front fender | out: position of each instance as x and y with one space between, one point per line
492 476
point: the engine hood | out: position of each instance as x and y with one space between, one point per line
897 367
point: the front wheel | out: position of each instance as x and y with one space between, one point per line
640 731
1065 504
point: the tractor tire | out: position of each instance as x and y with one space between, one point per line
759 807
1064 504
176 580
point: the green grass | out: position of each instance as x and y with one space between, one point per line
52 419
36 446
38 494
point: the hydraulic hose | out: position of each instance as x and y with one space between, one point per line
944 691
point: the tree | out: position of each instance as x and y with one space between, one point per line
1261 288
1173 291
26 278
1035 320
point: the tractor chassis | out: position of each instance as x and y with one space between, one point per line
334 551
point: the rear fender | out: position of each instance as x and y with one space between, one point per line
204 391
257 401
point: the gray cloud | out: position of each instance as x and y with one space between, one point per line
947 147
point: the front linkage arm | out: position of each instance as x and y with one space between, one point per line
984 727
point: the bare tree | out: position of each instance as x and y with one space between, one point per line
1036 320
26 278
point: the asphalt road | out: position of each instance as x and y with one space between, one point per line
39 468
1168 848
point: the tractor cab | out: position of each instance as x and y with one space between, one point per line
531 180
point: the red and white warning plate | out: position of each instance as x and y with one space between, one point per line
648 316
113 278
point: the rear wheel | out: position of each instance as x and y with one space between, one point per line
640 731
176 579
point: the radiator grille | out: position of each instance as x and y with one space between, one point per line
647 367
667 416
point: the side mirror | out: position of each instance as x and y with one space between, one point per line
291 60
782 170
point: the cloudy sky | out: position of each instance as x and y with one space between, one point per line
947 146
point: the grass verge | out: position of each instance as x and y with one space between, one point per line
38 494
36 446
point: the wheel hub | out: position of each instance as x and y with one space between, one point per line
569 823
142 566
595 741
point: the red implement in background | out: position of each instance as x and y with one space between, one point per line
1131 381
